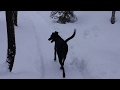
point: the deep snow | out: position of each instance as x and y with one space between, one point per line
94 53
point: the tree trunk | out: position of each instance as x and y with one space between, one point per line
113 17
15 17
11 51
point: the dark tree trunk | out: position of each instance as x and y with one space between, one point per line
11 51
15 14
113 17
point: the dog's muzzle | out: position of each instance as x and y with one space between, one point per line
50 39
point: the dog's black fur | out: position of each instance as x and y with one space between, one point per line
61 48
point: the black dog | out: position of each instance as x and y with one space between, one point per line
61 48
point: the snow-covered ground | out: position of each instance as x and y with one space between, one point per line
94 53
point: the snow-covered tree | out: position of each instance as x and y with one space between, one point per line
113 17
63 16
11 51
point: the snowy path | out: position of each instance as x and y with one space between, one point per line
77 65
34 29
40 62
39 25
52 70
94 52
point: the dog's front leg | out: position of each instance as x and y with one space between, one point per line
55 52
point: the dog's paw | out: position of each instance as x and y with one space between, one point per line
54 59
61 67
63 75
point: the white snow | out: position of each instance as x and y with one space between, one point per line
94 53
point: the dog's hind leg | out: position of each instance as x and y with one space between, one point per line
62 67
64 60
61 63
54 53
63 72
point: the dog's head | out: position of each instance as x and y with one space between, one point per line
53 36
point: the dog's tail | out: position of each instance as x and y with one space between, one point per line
71 36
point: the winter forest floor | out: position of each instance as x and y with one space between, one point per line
94 53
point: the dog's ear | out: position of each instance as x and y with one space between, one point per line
56 32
